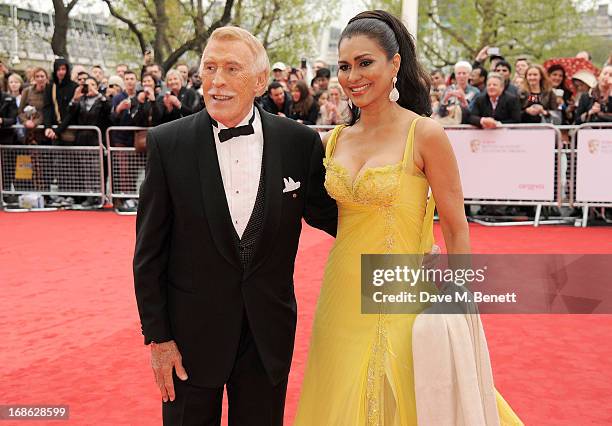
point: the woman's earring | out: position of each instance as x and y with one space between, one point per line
394 94
350 103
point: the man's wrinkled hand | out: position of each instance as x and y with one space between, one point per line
164 357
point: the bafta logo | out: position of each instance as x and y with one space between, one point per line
593 146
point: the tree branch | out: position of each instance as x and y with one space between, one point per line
131 25
451 33
151 15
432 50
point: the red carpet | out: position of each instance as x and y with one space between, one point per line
70 334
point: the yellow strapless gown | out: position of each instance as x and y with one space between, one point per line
360 367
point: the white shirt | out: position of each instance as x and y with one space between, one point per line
240 163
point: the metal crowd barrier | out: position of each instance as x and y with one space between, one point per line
574 158
54 171
79 171
126 169
555 201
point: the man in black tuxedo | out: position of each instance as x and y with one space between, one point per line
218 226
495 106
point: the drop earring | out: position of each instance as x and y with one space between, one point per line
350 104
394 94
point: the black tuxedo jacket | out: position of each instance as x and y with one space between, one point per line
190 285
508 109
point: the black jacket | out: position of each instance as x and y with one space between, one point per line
65 92
190 103
8 109
268 104
189 282
508 109
8 113
585 103
310 118
96 115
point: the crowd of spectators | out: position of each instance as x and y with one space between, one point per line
486 92
487 98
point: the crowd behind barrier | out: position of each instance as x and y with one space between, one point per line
57 129
511 167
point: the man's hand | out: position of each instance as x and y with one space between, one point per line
280 114
78 94
164 357
123 105
595 109
50 134
29 124
489 122
482 55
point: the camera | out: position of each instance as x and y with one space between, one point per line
493 51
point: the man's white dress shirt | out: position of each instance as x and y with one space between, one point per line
240 163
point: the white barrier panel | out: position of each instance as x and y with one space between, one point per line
506 164
594 165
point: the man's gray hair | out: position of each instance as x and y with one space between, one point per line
463 64
261 64
497 76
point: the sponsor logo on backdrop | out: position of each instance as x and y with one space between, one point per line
597 146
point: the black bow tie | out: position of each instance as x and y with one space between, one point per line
232 132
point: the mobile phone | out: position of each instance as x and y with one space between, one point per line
493 51
84 89
303 63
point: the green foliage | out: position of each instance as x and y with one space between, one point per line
288 30
451 30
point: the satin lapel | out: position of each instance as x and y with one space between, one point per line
213 193
273 187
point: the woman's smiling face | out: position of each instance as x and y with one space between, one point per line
364 72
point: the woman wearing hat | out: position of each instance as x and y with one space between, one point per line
597 106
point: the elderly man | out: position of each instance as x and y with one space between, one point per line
459 95
218 225
495 106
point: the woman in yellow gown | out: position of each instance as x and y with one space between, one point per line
361 369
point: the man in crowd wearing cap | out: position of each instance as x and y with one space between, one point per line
115 86
279 74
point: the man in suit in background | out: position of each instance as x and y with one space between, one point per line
495 106
218 226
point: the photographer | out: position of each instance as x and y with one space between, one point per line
90 108
147 112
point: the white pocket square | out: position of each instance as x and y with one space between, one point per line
290 185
